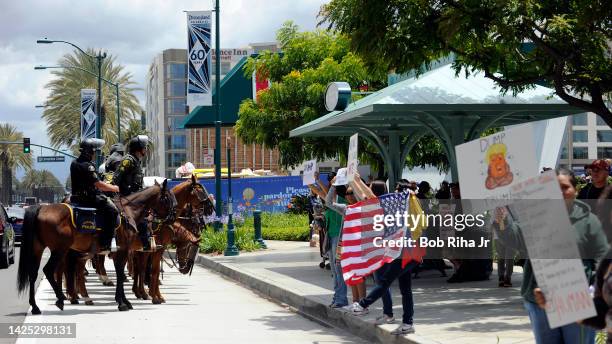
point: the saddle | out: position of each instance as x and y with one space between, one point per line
83 218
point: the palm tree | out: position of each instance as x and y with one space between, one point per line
43 185
11 157
62 110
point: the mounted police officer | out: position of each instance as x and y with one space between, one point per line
129 178
86 187
113 160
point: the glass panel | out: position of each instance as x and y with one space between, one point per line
580 136
176 89
604 135
604 152
564 152
176 142
579 119
176 106
600 121
175 159
581 152
176 71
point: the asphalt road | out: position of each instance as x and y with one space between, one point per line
13 307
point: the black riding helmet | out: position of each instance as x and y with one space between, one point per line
88 146
138 143
117 147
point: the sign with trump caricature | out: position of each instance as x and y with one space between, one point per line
489 166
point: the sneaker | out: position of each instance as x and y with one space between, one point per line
403 329
337 306
356 309
384 319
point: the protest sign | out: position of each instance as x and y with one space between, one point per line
489 166
551 244
310 167
352 163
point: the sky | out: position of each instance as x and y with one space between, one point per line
132 30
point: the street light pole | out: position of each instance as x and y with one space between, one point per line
217 225
231 249
99 59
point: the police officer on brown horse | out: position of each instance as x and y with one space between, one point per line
129 178
87 187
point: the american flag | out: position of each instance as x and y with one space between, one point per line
360 257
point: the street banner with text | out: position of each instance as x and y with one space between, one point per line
199 91
88 114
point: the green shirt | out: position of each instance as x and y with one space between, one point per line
334 220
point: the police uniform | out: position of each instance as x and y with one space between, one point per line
111 165
129 179
84 193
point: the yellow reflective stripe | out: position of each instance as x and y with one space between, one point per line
71 214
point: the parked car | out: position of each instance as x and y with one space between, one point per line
7 240
16 215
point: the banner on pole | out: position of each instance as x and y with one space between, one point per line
199 91
353 162
88 114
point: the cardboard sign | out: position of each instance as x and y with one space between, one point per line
488 167
551 244
352 162
310 167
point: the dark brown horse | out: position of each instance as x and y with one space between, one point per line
193 202
51 226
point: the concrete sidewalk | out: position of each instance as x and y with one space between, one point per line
444 313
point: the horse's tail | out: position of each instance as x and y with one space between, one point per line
26 254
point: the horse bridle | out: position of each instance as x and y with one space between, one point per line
168 202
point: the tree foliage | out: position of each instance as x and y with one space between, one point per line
62 110
299 76
570 40
11 157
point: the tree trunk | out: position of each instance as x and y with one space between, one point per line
7 179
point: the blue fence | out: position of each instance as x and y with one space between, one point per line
270 194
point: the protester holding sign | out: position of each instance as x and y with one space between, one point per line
590 238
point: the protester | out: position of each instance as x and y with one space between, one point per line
599 171
444 191
590 238
424 197
424 189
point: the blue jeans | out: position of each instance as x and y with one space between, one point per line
386 296
568 334
392 272
340 290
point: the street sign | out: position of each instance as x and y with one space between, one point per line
56 158
208 159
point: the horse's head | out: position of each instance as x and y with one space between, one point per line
199 198
186 239
165 207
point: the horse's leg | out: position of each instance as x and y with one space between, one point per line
33 275
154 279
120 260
101 271
144 257
71 268
82 289
49 269
135 259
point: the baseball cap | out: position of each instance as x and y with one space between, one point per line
341 177
601 164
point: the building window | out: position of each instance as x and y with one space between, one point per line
600 121
176 89
175 122
176 142
580 136
581 152
579 119
176 106
604 135
564 153
175 159
604 152
176 71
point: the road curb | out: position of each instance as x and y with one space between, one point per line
309 306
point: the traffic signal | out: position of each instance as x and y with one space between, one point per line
26 145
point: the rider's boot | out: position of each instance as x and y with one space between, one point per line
143 234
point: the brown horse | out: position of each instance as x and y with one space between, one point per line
51 226
193 201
